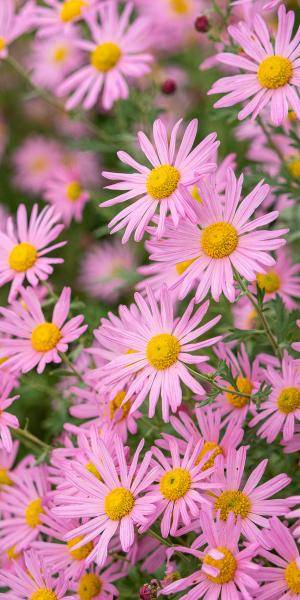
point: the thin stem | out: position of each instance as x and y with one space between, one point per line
70 366
217 386
164 541
25 435
270 140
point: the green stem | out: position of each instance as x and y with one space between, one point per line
70 366
270 140
26 436
217 386
164 541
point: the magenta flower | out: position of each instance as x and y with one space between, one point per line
282 279
159 188
273 73
65 191
99 581
115 53
112 503
161 349
13 24
7 420
34 342
25 245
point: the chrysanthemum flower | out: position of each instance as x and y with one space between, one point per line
281 581
282 279
97 583
296 345
227 240
7 420
226 571
252 503
65 191
13 24
244 315
34 162
273 71
115 53
112 504
160 351
103 270
33 582
280 411
181 488
34 342
25 245
160 186
7 460
293 445
21 506
60 17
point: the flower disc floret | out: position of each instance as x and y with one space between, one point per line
45 337
183 266
162 351
233 501
105 56
292 577
90 585
288 400
269 282
275 72
208 447
162 181
4 477
43 594
33 511
294 168
226 565
82 552
73 191
116 403
2 43
181 7
175 484
22 257
71 9
219 239
243 385
118 503
92 469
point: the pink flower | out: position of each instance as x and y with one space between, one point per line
35 161
25 245
282 408
296 345
227 240
13 24
99 580
7 459
7 420
160 187
293 445
273 73
160 352
61 17
112 504
35 341
224 570
115 53
65 191
282 279
281 581
244 315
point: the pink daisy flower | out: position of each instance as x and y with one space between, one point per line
252 502
115 53
33 582
36 160
281 581
21 506
13 24
159 188
34 341
105 270
60 17
280 411
98 582
65 191
226 571
293 445
112 504
25 245
227 240
7 459
244 315
282 279
181 488
296 345
273 72
161 350
7 420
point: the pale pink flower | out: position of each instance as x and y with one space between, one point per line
7 460
35 342
34 162
293 445
282 279
13 24
272 72
159 188
7 420
100 579
25 245
66 192
244 315
116 52
61 17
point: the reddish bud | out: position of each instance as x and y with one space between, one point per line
168 86
148 592
202 24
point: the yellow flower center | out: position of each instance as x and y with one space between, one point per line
90 585
22 257
243 385
219 240
182 267
2 43
275 72
180 6
73 191
116 403
208 447
294 168
162 181
292 115
80 553
162 351
92 469
196 195
12 554
43 594
33 511
226 565
118 503
288 400
4 477
269 282
45 337
292 577
38 165
233 501
60 54
175 483
71 9
105 56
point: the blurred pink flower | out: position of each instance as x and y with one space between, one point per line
13 24
282 279
60 17
34 162
7 420
64 190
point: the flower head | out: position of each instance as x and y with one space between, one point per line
13 24
7 420
97 583
36 160
66 192
60 17
283 279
